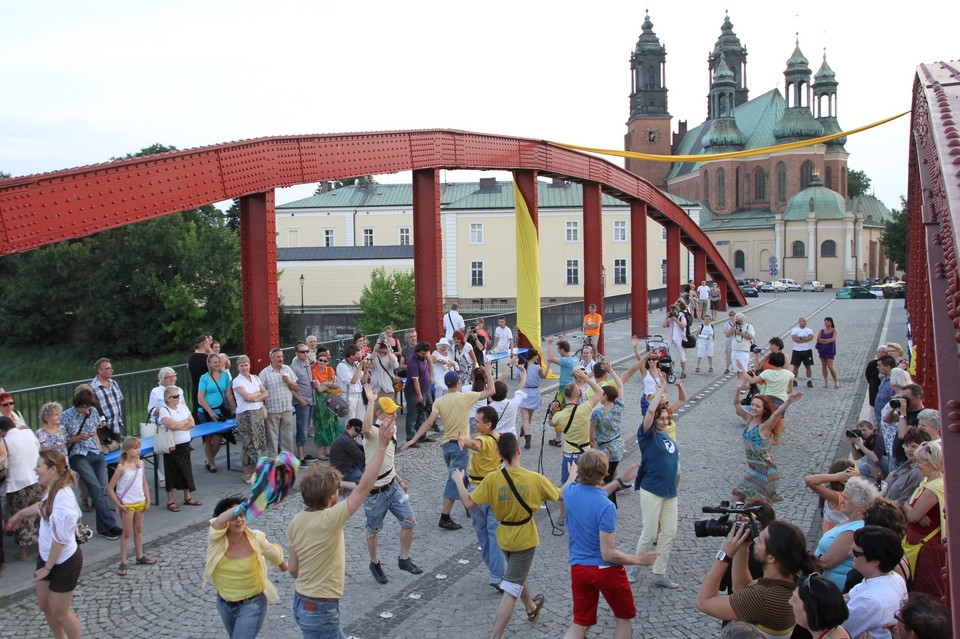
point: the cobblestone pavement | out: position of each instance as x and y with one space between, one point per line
451 597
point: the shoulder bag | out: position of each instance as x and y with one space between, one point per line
397 382
522 503
336 404
580 447
163 442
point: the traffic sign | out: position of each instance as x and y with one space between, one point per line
773 262
773 272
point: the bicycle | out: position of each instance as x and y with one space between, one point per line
586 340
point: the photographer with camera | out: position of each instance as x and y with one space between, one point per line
742 334
906 407
864 443
677 323
763 602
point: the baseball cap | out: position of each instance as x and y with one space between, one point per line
387 405
450 379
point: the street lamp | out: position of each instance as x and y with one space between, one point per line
301 293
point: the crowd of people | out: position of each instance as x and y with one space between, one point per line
875 571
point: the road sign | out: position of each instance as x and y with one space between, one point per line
773 262
773 272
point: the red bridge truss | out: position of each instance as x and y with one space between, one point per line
933 297
48 208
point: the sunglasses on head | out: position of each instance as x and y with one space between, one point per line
806 581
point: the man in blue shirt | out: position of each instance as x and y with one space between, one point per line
567 363
596 567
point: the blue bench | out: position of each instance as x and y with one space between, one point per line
153 458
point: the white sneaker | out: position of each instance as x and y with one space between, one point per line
664 582
633 573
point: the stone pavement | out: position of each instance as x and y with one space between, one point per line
166 600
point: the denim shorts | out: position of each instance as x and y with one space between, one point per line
564 471
455 459
322 623
375 508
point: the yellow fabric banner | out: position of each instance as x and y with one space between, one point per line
528 271
708 157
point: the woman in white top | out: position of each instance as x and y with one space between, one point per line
165 377
507 409
22 486
588 361
176 463
250 393
60 560
442 364
465 357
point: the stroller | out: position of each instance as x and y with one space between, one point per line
656 343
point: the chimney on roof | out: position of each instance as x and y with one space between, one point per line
326 186
559 184
488 184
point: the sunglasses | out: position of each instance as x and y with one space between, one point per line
174 397
7 404
806 581
322 360
302 352
857 553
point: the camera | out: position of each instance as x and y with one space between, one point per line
895 402
756 349
721 526
855 433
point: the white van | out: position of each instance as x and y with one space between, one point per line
792 285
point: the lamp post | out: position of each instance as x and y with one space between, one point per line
301 293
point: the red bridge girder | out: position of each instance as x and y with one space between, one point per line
933 297
44 209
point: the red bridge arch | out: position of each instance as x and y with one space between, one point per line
44 209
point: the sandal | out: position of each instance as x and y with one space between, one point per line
191 502
555 442
539 600
122 571
172 507
145 561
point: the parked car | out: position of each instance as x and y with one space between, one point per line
813 286
792 285
849 283
878 291
897 290
749 291
773 287
854 293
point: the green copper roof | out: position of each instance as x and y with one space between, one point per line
825 74
798 62
827 204
756 120
738 221
648 40
872 211
723 72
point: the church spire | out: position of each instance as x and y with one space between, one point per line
797 122
825 103
734 54
648 96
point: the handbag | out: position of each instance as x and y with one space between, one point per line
336 404
163 442
108 439
83 533
912 551
397 382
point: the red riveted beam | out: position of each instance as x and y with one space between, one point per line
258 267
527 183
673 263
699 267
639 304
593 252
427 269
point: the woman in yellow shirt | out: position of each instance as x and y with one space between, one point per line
237 562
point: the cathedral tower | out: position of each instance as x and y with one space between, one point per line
648 129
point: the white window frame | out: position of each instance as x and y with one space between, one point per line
571 233
663 271
619 230
620 266
293 233
364 234
405 233
329 237
663 234
477 267
574 265
476 233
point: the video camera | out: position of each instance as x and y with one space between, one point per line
721 526
756 349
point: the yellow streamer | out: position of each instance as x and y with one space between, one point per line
709 157
528 271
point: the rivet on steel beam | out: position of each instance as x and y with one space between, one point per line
954 428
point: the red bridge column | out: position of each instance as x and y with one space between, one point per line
639 302
673 263
527 183
427 253
699 267
258 266
593 252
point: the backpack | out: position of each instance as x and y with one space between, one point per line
689 341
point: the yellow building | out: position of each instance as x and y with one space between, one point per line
336 238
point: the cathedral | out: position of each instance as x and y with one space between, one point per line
790 205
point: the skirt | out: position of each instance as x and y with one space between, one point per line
253 434
29 530
178 469
326 424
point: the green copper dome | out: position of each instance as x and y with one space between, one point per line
827 204
825 74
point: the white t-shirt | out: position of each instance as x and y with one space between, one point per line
249 387
502 337
156 400
873 603
703 292
802 332
650 385
678 329
705 334
452 321
23 450
507 410
178 415
345 373
62 526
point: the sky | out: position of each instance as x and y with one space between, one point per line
86 81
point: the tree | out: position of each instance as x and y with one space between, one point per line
339 184
894 236
857 183
4 175
387 301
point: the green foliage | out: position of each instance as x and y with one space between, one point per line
894 236
857 183
143 289
4 175
386 300
339 184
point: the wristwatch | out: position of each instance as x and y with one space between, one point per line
722 556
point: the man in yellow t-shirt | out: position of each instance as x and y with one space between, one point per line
574 422
485 460
514 493
454 408
592 322
317 552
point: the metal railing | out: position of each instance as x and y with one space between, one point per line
136 386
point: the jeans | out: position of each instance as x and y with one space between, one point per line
304 418
322 623
485 525
243 620
455 459
92 469
416 413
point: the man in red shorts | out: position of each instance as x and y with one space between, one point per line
596 567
